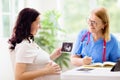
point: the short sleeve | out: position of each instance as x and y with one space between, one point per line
115 52
119 47
25 53
77 47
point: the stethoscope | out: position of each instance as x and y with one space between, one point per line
104 45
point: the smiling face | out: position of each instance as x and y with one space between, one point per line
35 26
95 24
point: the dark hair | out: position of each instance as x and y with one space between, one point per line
22 27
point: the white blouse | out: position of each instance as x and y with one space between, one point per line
33 56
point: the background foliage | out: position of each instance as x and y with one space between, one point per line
76 12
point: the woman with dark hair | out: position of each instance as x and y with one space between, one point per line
30 62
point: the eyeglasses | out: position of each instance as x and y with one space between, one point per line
91 22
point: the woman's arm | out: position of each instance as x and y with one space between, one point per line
55 54
22 74
78 61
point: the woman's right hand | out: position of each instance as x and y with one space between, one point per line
52 68
87 60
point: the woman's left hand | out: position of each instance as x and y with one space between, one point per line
55 54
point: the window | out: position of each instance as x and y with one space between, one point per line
8 9
75 13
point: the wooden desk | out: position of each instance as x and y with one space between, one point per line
95 74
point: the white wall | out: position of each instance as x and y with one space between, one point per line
6 70
1 32
42 5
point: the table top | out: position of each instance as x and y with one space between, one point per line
82 73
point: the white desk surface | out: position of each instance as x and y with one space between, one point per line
95 74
